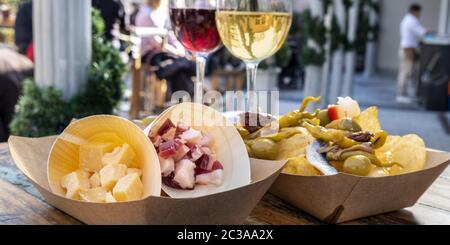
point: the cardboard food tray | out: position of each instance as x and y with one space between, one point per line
31 154
228 146
343 197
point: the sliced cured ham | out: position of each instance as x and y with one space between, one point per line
186 156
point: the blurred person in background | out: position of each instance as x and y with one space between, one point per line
14 67
165 53
135 5
113 13
23 29
411 32
5 15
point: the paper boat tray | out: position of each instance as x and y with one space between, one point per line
343 197
231 207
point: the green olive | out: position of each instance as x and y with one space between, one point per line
264 149
357 165
324 118
243 132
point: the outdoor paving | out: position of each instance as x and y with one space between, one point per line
377 90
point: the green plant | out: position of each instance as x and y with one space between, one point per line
366 31
42 112
315 30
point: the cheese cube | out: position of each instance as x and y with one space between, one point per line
110 174
94 180
90 156
129 188
93 195
134 170
110 198
120 155
74 183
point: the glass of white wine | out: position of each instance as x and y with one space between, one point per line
253 30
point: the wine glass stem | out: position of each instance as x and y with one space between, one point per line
198 87
252 68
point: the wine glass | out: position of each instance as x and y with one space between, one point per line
194 23
253 30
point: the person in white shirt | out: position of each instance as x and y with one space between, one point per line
411 32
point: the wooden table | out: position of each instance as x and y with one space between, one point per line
20 203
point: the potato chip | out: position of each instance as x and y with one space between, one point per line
368 120
294 146
409 151
300 166
390 142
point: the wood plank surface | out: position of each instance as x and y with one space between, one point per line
438 195
20 208
423 215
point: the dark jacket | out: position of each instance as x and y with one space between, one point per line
112 12
23 34
13 69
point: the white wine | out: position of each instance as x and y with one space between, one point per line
253 36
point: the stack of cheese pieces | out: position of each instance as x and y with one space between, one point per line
107 173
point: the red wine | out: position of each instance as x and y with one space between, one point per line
196 29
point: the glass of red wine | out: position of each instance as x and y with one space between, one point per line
194 23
